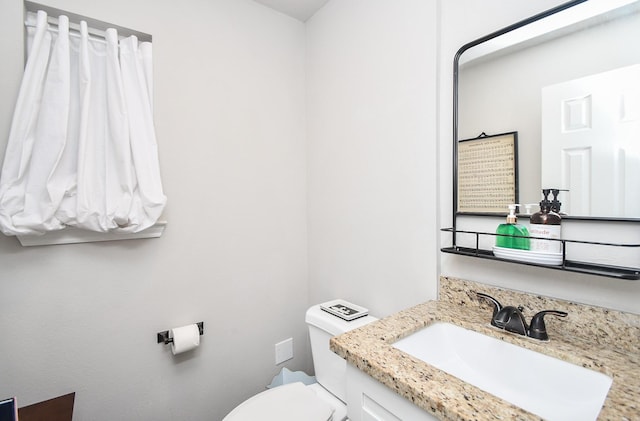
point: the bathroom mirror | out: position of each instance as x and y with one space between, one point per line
568 82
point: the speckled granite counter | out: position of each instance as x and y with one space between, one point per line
603 340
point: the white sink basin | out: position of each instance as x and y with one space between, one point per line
548 387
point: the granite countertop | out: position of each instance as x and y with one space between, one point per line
599 339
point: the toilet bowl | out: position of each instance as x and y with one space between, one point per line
301 403
321 401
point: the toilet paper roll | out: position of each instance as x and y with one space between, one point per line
185 338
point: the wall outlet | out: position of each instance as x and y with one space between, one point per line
284 351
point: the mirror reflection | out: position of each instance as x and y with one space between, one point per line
573 96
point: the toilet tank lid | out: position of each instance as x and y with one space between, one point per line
333 324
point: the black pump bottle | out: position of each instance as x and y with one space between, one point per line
545 224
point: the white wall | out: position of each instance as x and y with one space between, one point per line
483 18
229 113
372 129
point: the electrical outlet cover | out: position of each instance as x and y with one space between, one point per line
284 351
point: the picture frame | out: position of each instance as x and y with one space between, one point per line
8 409
487 174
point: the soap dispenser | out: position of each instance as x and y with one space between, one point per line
545 225
511 234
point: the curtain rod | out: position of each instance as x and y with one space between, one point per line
96 28
74 30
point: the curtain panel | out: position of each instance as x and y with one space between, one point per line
82 150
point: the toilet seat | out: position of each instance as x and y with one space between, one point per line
291 402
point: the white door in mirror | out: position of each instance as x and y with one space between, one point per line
590 142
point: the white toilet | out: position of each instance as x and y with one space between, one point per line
321 401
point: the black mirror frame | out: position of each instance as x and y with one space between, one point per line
456 60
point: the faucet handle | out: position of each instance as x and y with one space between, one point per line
496 306
538 329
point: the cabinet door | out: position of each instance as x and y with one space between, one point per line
56 409
370 400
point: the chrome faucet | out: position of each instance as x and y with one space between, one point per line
512 320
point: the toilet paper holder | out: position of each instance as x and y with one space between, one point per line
163 337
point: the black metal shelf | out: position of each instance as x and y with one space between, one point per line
618 272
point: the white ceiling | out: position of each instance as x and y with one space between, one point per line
298 9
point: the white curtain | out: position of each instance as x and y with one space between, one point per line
82 150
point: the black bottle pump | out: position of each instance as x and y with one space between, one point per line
545 225
545 204
555 203
548 207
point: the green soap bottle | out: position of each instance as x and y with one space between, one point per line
512 235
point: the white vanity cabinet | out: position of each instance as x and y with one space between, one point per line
370 400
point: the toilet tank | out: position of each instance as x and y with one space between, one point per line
330 369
